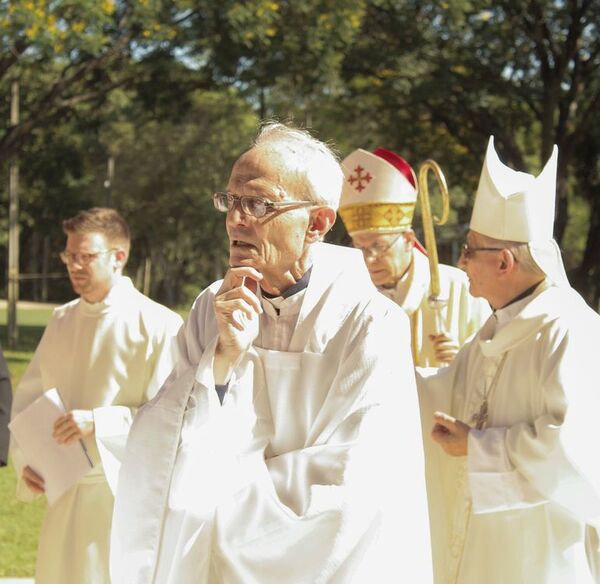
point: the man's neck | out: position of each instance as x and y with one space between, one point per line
518 294
100 295
298 286
279 286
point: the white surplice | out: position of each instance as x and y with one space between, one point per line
515 509
109 357
311 470
461 317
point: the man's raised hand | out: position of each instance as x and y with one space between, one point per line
237 311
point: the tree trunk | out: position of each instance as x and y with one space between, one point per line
34 265
45 262
562 200
147 275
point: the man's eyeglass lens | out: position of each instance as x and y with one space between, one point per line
469 252
250 205
254 206
83 259
379 248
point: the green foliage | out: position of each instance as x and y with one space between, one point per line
166 174
171 91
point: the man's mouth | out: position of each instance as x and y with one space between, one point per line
240 244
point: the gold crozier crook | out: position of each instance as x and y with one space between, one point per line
435 301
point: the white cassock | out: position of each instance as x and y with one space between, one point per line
109 357
460 318
514 510
312 469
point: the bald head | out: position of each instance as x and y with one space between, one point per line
307 166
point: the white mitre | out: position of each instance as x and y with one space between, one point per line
379 193
516 206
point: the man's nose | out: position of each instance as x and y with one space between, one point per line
75 261
235 215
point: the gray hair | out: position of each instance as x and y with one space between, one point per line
310 163
521 253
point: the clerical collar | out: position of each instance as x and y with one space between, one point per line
300 285
507 313
121 286
524 294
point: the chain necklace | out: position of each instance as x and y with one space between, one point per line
480 418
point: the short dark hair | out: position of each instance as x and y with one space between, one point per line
102 220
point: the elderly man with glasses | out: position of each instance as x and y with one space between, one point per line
512 467
271 454
106 353
377 206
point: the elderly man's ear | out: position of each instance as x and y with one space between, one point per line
320 222
506 263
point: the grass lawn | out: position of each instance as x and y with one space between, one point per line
20 522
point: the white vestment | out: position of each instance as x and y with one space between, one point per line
461 317
310 472
109 357
514 510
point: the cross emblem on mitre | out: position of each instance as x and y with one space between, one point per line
356 180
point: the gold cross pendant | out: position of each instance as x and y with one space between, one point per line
481 417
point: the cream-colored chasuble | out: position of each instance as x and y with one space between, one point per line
109 357
297 477
516 508
461 318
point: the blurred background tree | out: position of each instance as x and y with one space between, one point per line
145 105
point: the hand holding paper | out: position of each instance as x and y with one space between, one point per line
74 425
34 481
59 466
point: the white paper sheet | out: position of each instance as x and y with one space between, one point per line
60 465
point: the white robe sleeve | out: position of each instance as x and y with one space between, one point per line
221 503
112 423
551 458
354 498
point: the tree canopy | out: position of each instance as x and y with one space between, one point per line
172 91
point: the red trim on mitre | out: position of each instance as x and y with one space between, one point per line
398 162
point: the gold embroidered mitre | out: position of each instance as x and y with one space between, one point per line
379 192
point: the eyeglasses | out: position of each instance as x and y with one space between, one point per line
255 206
378 249
468 252
83 259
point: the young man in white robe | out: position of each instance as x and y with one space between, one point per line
271 455
107 353
513 473
377 206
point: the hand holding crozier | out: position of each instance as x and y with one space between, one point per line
445 347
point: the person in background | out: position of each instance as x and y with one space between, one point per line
512 467
107 353
5 404
377 207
